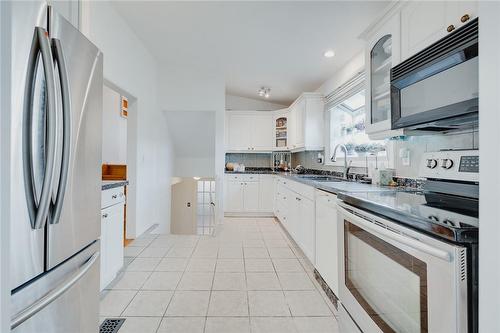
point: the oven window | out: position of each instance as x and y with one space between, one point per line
390 284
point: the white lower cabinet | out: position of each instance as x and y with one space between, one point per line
112 219
234 196
266 195
246 193
251 196
306 227
326 239
295 210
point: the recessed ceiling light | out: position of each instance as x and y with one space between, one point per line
264 92
329 54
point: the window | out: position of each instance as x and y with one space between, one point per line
347 118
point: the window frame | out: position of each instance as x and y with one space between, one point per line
358 161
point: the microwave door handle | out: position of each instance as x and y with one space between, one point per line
382 232
66 123
38 212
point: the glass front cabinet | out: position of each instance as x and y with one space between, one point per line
383 51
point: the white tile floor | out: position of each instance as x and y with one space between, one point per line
249 278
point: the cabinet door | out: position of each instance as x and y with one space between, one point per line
292 130
306 227
383 52
423 23
326 241
234 196
112 219
251 196
300 115
239 132
266 196
293 215
115 237
262 132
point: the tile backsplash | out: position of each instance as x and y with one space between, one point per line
417 146
252 160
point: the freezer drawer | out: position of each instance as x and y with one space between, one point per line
75 305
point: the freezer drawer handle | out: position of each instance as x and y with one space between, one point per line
39 209
383 232
66 137
52 295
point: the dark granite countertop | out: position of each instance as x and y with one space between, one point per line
107 184
332 184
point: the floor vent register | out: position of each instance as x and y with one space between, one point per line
111 325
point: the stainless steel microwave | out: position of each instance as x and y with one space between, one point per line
437 89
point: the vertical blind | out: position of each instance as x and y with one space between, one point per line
346 90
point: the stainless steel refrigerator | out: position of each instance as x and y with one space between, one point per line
55 164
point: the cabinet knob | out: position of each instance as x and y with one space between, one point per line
114 196
450 28
465 18
104 215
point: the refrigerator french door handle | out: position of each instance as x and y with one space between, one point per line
52 295
66 138
38 212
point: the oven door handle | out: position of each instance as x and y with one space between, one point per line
382 232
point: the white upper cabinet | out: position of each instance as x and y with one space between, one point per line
406 28
262 132
425 22
383 51
239 132
249 131
300 127
281 130
306 122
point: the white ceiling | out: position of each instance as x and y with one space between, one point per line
274 44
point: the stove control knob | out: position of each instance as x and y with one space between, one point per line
434 218
432 163
446 163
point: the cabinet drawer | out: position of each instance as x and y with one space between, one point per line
302 189
112 196
326 198
242 177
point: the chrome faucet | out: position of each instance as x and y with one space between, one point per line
334 157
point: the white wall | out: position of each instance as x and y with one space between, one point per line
130 66
489 168
190 88
351 68
114 127
250 104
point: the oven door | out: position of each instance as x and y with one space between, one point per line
393 279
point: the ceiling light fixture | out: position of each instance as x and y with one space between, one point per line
329 54
264 92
